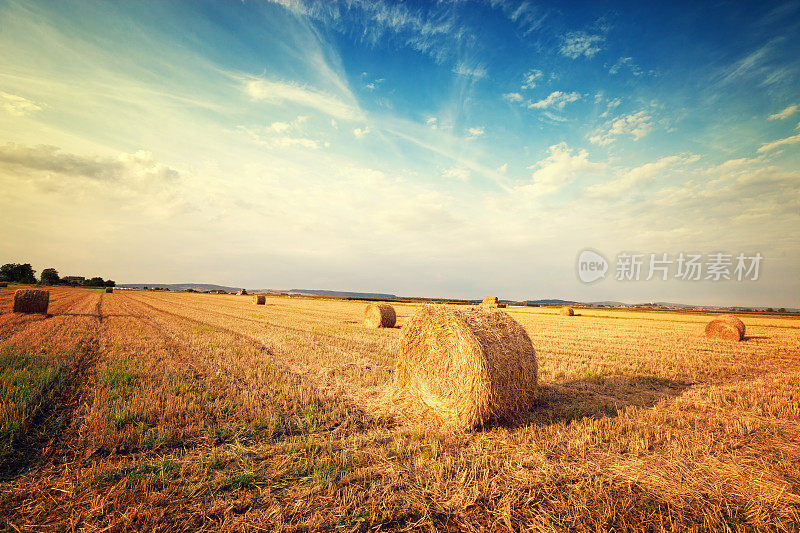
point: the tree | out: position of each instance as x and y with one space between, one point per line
96 282
17 272
111 283
50 276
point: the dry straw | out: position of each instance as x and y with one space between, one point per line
31 301
379 316
109 290
259 299
242 292
492 301
726 327
567 311
461 368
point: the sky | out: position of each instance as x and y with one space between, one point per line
442 149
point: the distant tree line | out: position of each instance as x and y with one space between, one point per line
24 273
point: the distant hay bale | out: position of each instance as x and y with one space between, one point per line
379 316
109 290
259 299
31 301
461 368
242 292
726 327
492 301
567 311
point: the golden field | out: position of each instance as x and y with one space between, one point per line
191 412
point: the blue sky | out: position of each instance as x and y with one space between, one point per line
422 148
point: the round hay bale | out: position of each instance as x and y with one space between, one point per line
31 301
259 299
567 311
379 316
724 329
109 290
491 301
242 292
461 368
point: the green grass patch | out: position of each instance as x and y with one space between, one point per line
28 384
120 376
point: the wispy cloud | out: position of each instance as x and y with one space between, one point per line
641 176
17 105
529 81
476 132
278 92
768 147
625 62
579 43
785 113
475 71
513 97
556 100
636 125
459 173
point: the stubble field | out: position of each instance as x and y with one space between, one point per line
190 412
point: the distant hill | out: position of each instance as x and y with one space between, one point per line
199 287
202 287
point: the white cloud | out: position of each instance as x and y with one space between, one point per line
578 43
513 97
560 168
475 132
786 113
432 122
531 76
556 99
17 105
637 125
502 169
459 173
475 72
768 147
282 134
281 92
640 176
624 62
360 133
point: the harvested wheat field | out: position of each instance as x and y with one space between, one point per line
139 410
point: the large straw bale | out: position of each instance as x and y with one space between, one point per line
31 301
567 311
726 327
259 299
462 368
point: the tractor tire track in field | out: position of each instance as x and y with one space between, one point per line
331 339
53 436
241 385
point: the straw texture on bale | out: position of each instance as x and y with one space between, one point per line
735 321
461 368
259 299
724 328
567 311
242 292
492 301
109 290
379 316
31 301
